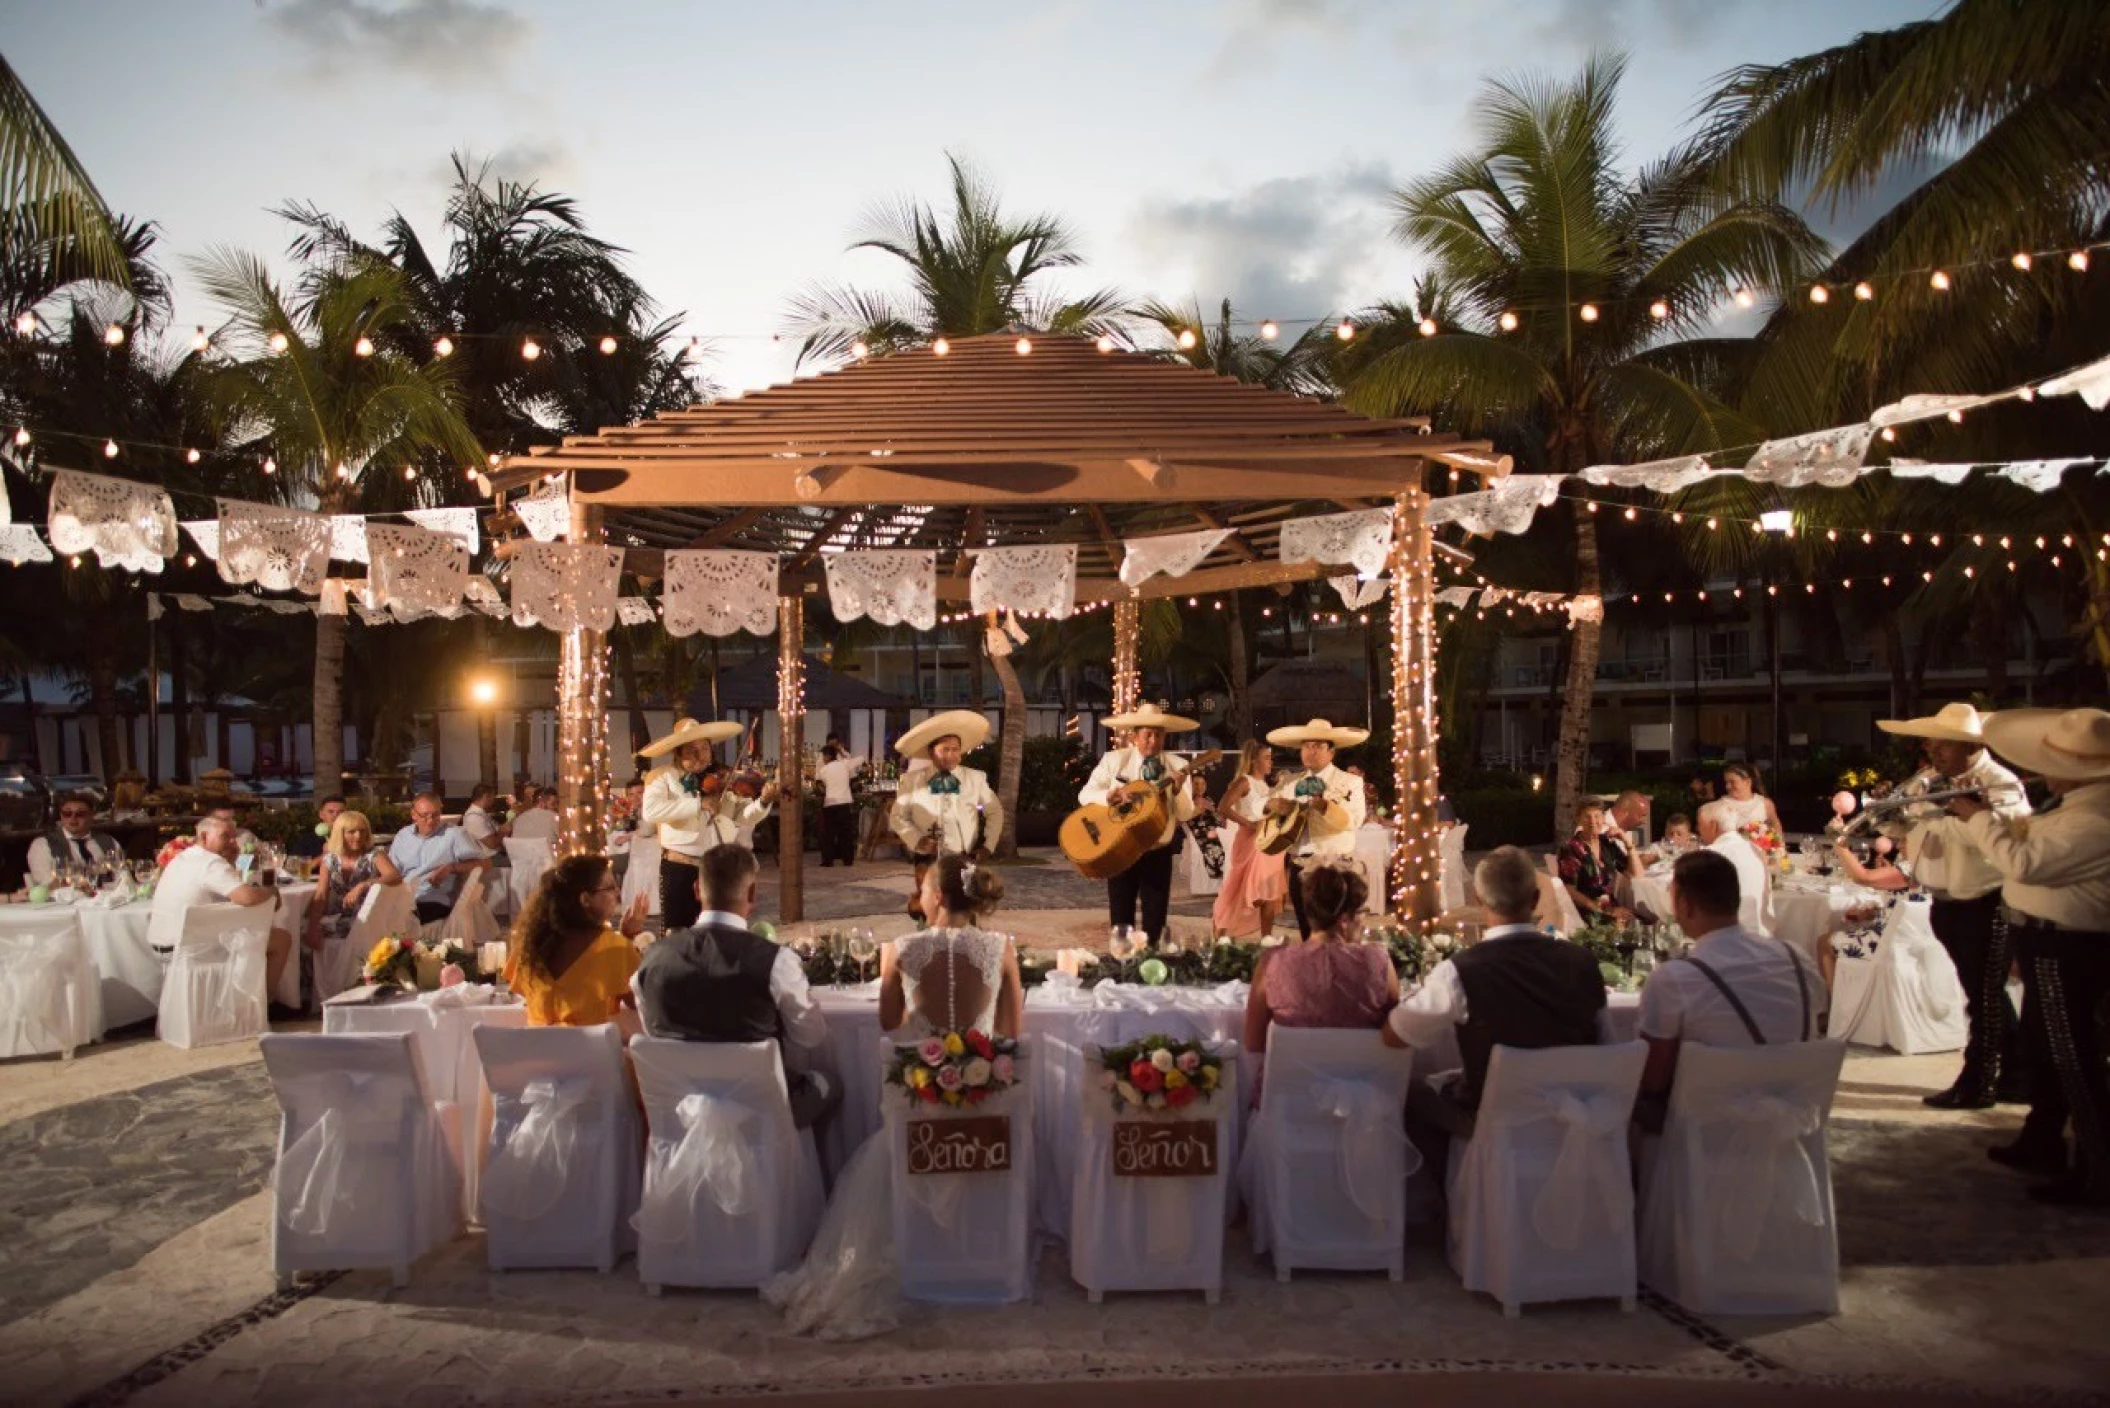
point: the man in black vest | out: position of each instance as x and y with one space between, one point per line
1519 986
74 841
719 982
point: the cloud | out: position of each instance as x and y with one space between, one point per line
1625 24
450 39
1256 31
1289 247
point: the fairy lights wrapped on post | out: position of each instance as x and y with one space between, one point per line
582 724
1416 852
1128 634
791 736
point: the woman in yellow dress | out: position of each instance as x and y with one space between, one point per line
566 958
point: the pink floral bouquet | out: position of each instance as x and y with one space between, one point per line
174 848
1764 837
1159 1073
955 1068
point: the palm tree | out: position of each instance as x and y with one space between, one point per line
971 270
338 423
46 196
1527 232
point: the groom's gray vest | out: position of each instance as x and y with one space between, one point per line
709 984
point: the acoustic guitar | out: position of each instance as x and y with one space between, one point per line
1102 839
1279 835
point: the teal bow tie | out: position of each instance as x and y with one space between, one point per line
945 785
1153 769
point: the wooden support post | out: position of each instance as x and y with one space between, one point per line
1416 893
582 724
1128 634
791 780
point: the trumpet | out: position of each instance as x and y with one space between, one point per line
1901 799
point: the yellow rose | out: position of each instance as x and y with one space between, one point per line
953 1045
918 1077
1175 1080
1208 1075
381 953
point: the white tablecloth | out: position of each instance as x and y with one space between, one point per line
1805 907
130 970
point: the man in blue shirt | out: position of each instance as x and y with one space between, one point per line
434 857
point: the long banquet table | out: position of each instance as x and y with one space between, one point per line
1806 907
130 971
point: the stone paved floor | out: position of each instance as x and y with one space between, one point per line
134 1267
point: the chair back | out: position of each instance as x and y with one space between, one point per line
363 1175
1541 1197
641 876
1556 905
1451 875
470 921
561 1172
383 910
50 995
1738 1214
214 990
531 859
732 1187
1754 882
1329 1155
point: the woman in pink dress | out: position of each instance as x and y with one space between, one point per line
1253 886
1329 980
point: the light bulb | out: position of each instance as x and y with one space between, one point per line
859 350
1820 294
1104 344
443 348
26 323
190 559
1864 292
1507 322
22 436
344 471
1186 338
279 342
2021 261
109 449
1269 331
608 346
410 471
1939 281
192 456
1428 327
940 347
1346 331
530 349
198 340
1744 298
1890 434
1659 310
2078 261
1024 347
1589 313
270 466
114 335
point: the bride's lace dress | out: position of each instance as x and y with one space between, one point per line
849 1286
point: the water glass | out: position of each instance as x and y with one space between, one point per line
863 948
1118 945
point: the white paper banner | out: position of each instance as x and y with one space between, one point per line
1662 476
1041 580
719 591
456 523
1175 554
205 532
2041 476
2091 383
566 586
1585 608
1831 458
125 524
1362 538
1950 474
1357 593
546 513
1507 506
19 543
893 588
1918 408
416 572
635 611
1455 596
283 549
347 538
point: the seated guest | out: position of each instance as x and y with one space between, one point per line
74 841
1593 862
434 857
244 838
483 828
719 982
1736 987
1678 834
205 874
311 845
1518 986
537 822
1329 980
350 868
566 957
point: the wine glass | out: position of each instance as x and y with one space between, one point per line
1117 942
863 948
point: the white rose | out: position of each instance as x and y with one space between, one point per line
977 1072
1129 1092
1162 1059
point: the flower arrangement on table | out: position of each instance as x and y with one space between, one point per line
1159 1073
175 847
957 1068
418 966
1769 843
1414 955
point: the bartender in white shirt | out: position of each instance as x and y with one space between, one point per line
1148 883
2055 871
1940 855
944 808
686 801
1332 798
837 771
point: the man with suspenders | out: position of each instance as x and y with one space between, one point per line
1736 988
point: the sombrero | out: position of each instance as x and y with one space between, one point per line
970 727
2072 745
1317 731
689 731
1150 716
1956 723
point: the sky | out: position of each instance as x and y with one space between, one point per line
1197 148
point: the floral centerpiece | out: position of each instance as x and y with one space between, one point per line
957 1068
392 960
1769 842
423 967
1414 955
1159 1073
175 847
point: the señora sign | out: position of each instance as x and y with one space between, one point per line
976 1144
1165 1149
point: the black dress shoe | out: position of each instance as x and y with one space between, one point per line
2069 1193
2048 1160
279 1012
1960 1097
2012 1093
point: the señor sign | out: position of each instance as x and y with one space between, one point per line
1165 1149
977 1144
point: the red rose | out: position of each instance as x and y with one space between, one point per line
1145 1077
1181 1098
977 1094
981 1046
928 1094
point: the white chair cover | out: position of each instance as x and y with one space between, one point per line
1903 995
641 876
1737 1194
1451 876
470 922
560 1178
964 1238
1326 1161
1142 1233
365 1174
531 860
1754 882
1541 1197
1556 905
732 1188
214 991
384 910
50 997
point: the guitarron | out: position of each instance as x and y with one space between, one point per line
1102 839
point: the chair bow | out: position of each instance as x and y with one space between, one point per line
30 987
1370 1135
528 1176
714 1156
1589 1163
1765 1145
247 964
312 1166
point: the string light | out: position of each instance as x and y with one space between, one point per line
1270 330
192 456
26 323
1939 281
530 349
1744 298
859 350
1345 331
410 471
1659 310
270 466
1024 347
278 342
2021 261
198 340
444 347
109 449
940 347
1186 339
608 346
1427 327
1507 322
1864 293
1588 312
114 335
1104 344
2078 261
364 347
1820 294
22 436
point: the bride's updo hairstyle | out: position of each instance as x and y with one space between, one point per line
1331 893
969 888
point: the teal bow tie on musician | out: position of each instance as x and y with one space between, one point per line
1153 769
945 785
1310 787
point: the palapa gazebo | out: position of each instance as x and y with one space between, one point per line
1002 441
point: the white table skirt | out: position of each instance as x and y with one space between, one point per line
129 969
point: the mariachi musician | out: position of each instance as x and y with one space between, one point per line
942 808
694 810
1331 799
1148 882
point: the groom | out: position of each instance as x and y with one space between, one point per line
720 982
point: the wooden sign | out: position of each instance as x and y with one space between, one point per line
975 1144
1168 1149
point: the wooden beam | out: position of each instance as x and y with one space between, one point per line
1236 542
725 531
970 537
828 530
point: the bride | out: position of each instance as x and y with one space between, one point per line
950 977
